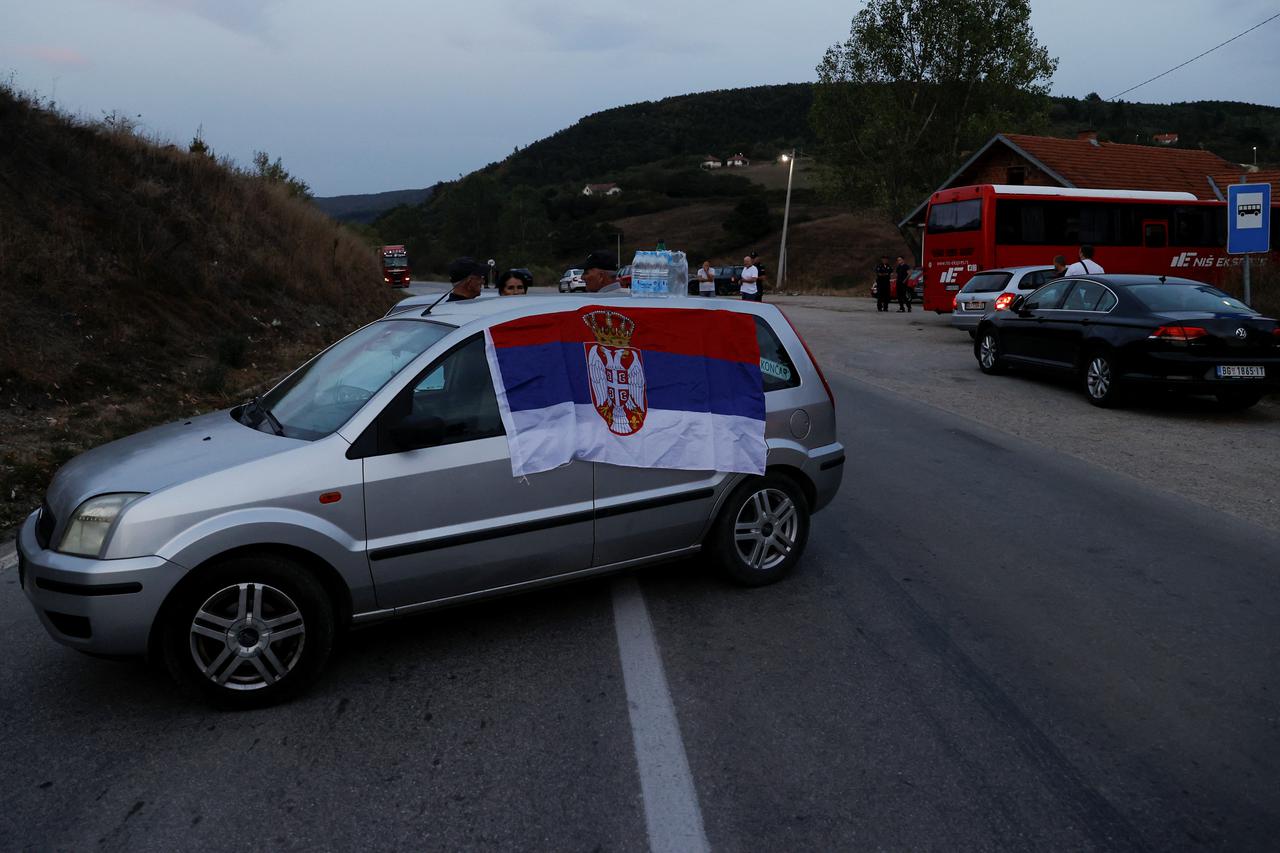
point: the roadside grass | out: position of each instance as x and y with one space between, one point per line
140 283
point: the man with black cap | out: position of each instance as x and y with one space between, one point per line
600 272
467 277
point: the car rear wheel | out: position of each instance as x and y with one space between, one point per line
1100 380
250 632
987 349
1237 401
761 531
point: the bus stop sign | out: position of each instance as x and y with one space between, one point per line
1248 218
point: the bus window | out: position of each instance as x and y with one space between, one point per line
1199 226
1155 235
955 216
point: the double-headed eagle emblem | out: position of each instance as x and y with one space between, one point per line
616 372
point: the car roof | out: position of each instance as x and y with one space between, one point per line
1129 280
1022 269
496 309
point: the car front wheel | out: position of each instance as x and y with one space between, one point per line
250 632
761 531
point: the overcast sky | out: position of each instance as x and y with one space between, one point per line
390 94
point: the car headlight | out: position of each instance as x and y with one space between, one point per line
92 519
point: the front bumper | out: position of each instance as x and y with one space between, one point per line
101 606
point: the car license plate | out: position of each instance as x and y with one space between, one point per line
974 306
1231 371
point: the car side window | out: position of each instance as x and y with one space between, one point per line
452 401
1084 296
776 366
1106 302
1032 280
1049 296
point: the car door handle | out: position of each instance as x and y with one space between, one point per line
1086 321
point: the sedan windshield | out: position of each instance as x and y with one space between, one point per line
1163 298
324 394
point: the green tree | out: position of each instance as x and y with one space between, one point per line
524 228
274 173
919 83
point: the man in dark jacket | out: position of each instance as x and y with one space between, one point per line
466 276
883 271
903 270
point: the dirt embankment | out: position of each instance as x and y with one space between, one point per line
140 283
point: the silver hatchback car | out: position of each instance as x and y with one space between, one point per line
237 546
982 293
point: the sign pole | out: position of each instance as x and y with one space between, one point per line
1248 297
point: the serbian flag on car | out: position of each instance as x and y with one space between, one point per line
645 387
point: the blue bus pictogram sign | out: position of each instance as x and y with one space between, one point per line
1248 218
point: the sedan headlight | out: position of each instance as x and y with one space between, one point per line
92 519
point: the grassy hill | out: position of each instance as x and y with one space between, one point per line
140 283
535 214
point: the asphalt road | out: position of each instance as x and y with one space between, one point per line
989 645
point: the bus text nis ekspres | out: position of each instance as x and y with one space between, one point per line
1155 233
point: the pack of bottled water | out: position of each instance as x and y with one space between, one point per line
659 273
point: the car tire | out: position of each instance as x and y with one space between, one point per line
1238 401
973 334
268 612
1100 379
761 530
987 349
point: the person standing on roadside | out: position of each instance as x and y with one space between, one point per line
467 276
883 271
750 287
903 271
1059 266
706 280
1086 265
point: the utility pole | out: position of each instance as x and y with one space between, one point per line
786 216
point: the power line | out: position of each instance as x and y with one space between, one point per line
1194 58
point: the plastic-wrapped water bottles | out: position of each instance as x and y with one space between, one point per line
659 274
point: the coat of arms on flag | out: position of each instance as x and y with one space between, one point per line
617 372
645 387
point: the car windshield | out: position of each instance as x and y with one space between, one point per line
395 261
324 394
986 282
1162 298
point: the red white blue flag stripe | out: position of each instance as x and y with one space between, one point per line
644 387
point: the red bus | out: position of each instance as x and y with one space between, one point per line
1155 233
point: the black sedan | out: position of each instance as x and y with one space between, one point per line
1120 332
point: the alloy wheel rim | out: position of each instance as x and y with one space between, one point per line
247 636
988 352
1098 378
766 528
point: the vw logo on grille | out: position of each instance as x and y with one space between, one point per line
1241 333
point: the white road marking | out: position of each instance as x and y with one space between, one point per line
8 556
671 811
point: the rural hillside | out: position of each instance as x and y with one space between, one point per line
141 283
530 209
366 207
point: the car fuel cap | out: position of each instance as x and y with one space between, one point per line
800 423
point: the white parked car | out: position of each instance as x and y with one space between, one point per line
993 290
571 282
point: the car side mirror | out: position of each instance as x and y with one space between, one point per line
1022 306
413 432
